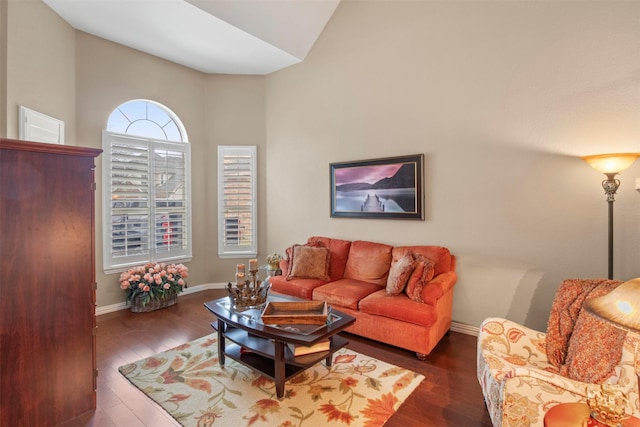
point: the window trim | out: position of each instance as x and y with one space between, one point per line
237 251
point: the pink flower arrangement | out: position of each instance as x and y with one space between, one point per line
153 280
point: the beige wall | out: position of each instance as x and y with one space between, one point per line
502 98
3 67
234 116
40 66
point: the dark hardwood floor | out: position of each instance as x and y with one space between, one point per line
449 396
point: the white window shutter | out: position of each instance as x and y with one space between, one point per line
38 127
237 201
146 201
172 210
127 201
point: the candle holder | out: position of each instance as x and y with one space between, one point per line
250 293
607 405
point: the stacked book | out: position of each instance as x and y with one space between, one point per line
300 350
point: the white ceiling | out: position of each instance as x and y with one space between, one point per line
212 36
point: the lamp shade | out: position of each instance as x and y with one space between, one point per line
620 306
611 163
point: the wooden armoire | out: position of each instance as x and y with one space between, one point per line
47 283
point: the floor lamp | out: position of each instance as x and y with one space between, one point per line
611 165
621 307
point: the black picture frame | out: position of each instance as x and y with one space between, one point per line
386 188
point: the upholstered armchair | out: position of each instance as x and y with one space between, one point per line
523 372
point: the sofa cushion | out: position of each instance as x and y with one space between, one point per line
421 275
565 309
441 257
345 292
595 346
368 262
398 307
301 288
399 274
338 254
309 262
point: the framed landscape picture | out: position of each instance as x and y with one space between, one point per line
378 188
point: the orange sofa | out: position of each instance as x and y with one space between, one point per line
362 279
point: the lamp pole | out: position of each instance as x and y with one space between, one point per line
610 240
610 186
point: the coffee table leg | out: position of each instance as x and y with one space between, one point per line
278 360
329 360
221 327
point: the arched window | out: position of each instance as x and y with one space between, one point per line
148 119
146 179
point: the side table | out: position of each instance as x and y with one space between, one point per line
577 415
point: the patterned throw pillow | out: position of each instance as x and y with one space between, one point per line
308 262
399 274
423 272
595 347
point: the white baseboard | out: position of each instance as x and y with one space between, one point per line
190 290
455 326
464 329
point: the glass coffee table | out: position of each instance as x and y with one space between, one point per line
265 348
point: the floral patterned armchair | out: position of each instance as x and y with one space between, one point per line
519 381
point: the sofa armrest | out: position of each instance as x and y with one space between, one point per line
284 266
438 286
503 336
445 280
510 350
503 370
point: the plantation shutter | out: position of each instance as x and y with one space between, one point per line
146 193
237 213
128 200
171 234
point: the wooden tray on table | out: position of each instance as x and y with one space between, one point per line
295 312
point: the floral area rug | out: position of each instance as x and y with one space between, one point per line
188 382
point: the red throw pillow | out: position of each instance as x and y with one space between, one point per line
423 272
308 262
